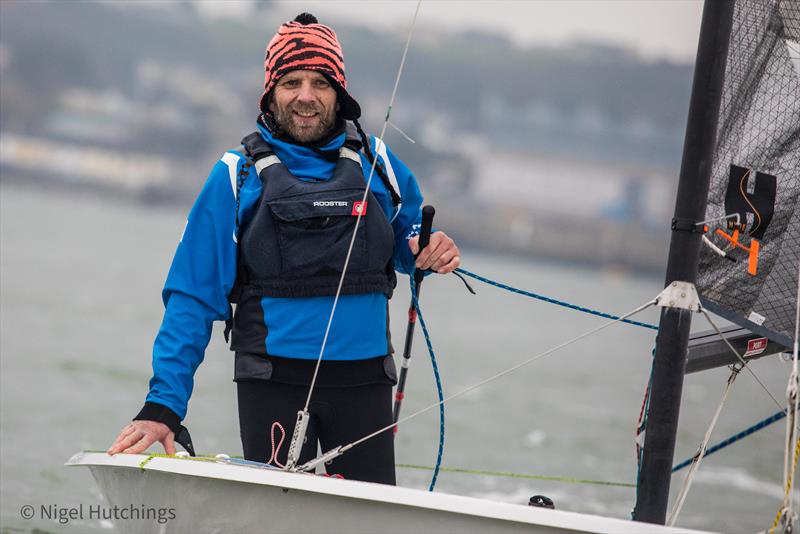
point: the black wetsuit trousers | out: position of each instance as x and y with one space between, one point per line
338 416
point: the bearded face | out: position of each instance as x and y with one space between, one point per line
304 105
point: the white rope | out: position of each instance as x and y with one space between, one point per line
687 482
358 218
492 378
786 512
714 247
792 390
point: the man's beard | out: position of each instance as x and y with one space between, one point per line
285 120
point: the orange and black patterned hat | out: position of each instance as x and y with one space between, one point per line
305 44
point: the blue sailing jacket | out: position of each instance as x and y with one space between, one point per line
203 272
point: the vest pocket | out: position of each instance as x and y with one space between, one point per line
314 235
251 367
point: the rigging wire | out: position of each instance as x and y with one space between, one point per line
701 452
687 482
695 463
301 424
340 450
360 213
741 359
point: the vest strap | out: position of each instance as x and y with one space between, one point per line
265 162
345 152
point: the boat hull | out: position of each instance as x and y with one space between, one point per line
229 496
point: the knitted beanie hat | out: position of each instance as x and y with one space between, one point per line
304 44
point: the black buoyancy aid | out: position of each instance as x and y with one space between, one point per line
296 243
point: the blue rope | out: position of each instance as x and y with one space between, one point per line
552 300
733 439
721 445
438 382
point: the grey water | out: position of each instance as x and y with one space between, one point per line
80 281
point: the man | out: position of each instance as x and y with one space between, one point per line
275 242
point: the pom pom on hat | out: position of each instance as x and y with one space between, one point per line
306 18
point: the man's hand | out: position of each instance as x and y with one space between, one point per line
441 254
139 435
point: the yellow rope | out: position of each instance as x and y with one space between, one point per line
174 457
782 509
570 480
519 475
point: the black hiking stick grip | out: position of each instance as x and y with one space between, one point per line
424 239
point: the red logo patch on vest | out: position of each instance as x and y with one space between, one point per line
359 208
756 346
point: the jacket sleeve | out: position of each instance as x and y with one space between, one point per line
407 222
195 294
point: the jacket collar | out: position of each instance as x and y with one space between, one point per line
305 161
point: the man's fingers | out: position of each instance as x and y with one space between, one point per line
438 253
431 252
169 443
444 259
413 244
435 260
112 448
123 442
122 435
139 435
140 445
441 254
451 266
428 255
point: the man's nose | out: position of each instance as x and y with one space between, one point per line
306 92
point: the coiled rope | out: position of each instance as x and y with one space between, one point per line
437 376
438 379
273 457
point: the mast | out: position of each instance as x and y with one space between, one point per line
690 205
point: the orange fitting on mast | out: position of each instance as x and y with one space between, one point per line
752 262
752 250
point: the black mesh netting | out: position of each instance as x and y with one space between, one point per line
759 129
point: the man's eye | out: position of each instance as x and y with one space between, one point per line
322 83
291 83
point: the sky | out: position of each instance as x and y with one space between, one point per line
655 29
